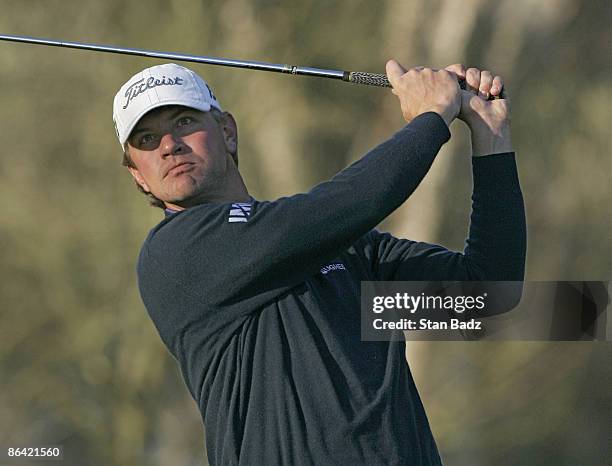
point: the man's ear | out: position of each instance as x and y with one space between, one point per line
139 179
230 132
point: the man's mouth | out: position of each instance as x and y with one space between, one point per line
179 169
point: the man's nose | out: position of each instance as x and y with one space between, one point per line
171 144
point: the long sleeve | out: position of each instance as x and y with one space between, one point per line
495 248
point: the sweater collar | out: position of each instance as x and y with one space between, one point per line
169 212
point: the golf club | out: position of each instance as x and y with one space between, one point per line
356 77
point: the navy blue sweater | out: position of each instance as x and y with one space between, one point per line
259 303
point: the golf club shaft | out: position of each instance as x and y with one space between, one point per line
370 79
355 77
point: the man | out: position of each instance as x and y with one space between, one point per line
259 301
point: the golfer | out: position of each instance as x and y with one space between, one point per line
259 301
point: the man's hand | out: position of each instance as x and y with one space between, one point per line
423 90
488 120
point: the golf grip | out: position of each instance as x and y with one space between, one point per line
373 79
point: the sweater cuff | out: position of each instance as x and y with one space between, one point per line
495 171
430 123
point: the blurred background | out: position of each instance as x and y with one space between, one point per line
81 364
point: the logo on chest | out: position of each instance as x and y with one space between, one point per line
331 267
239 212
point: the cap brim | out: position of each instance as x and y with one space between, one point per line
204 107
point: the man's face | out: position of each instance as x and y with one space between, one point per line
182 155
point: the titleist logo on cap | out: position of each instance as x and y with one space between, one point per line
141 86
158 86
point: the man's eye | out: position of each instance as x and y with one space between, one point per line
184 121
147 139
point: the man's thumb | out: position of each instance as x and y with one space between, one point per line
394 71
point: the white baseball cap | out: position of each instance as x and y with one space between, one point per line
160 85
